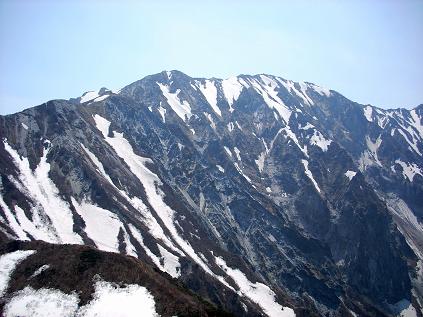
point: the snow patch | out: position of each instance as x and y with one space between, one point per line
417 122
231 89
43 302
151 183
8 263
303 88
210 118
228 151
237 152
409 170
162 112
89 95
41 269
111 300
24 126
368 113
310 175
210 92
182 109
293 137
220 168
257 292
319 140
101 225
52 216
350 174
101 98
270 96
320 90
170 262
260 161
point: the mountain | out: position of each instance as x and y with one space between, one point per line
261 195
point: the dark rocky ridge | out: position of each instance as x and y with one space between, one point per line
322 250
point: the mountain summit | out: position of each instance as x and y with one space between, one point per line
261 195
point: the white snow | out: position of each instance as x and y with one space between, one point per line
242 173
369 157
112 300
368 113
156 260
230 126
307 126
102 226
182 109
42 303
52 217
108 300
231 89
320 90
220 168
210 92
89 95
98 164
101 98
238 125
24 126
257 292
260 161
293 137
41 269
270 96
417 122
237 152
192 131
228 151
290 86
350 174
210 118
404 308
409 170
310 175
8 263
304 87
319 140
151 183
16 226
382 121
162 112
170 262
413 143
268 189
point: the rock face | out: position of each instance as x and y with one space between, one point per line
262 195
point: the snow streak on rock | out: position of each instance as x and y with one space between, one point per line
258 293
52 217
182 109
8 263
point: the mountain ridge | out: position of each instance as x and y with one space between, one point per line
299 190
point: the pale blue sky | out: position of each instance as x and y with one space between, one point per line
370 51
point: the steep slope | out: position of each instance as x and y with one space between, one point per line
282 193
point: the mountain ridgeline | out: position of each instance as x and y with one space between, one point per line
255 195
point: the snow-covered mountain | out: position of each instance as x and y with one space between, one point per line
261 195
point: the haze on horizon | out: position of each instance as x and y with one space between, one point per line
368 51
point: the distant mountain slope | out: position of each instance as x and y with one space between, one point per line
286 194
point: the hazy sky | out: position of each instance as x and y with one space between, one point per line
370 51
